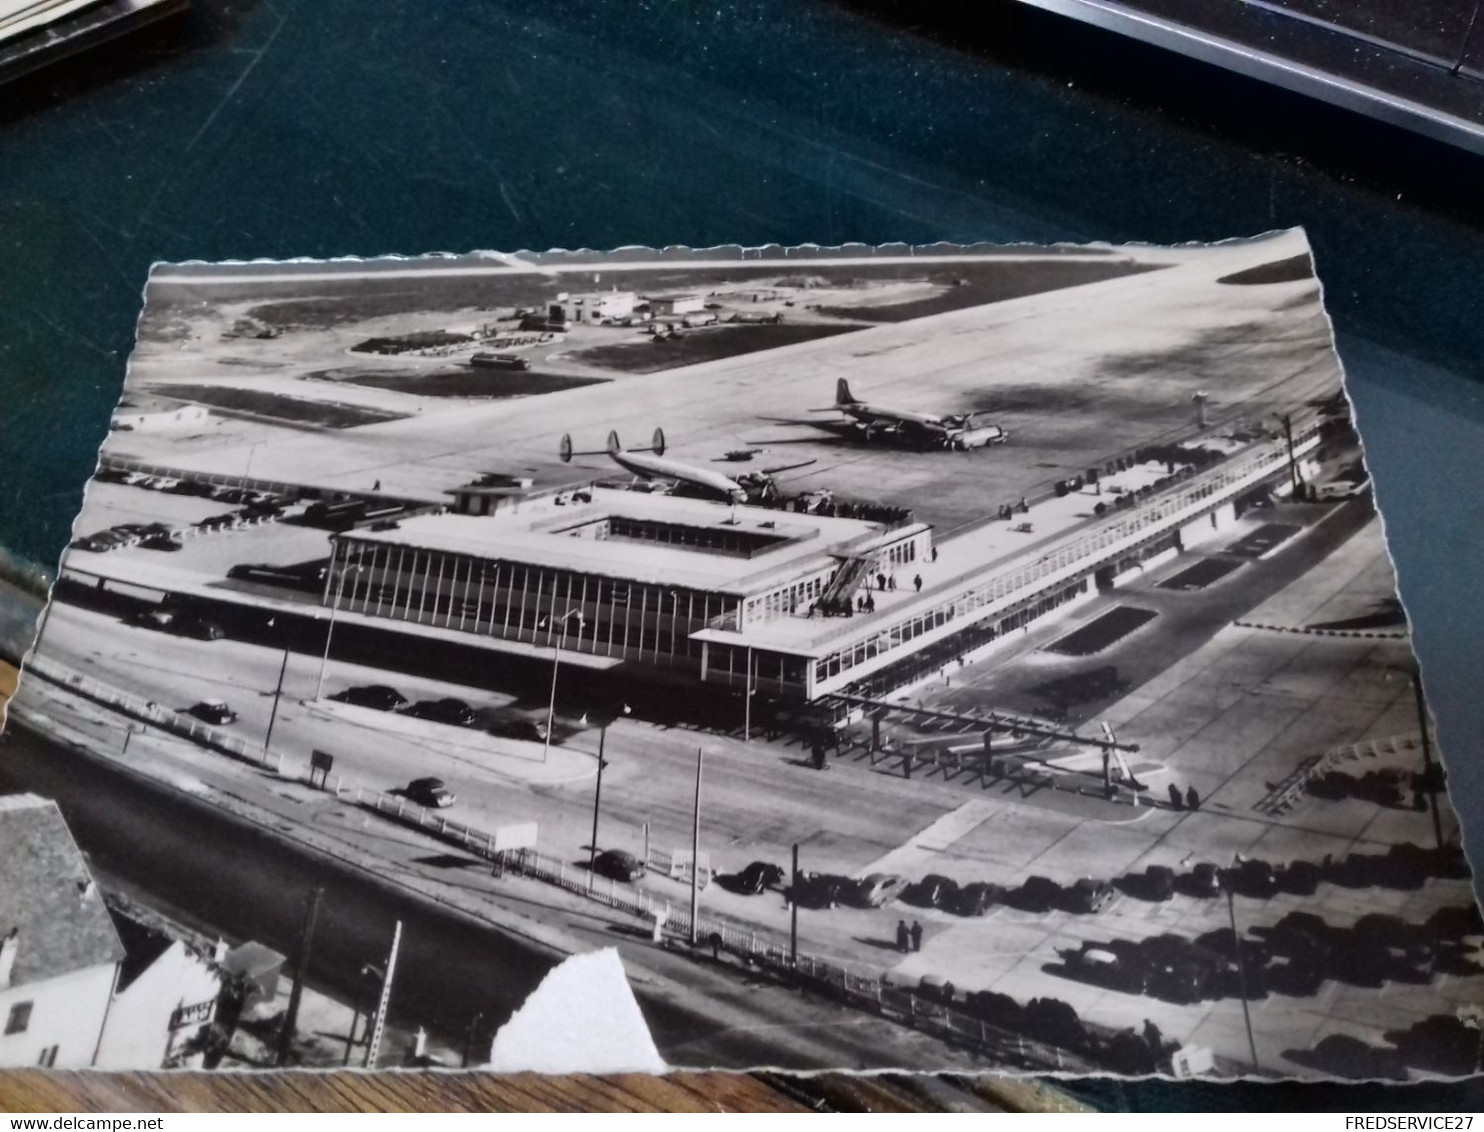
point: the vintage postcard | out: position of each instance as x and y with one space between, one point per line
949 658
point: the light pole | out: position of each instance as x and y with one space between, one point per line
592 857
556 662
747 700
329 633
1231 911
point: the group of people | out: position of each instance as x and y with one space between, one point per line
1008 510
1190 800
909 939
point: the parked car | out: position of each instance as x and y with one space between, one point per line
1104 967
1036 894
1300 878
932 891
1088 896
997 1009
178 621
376 696
618 864
935 988
1157 883
759 876
820 890
455 713
214 711
430 792
876 890
1254 878
162 542
1204 880
978 898
526 729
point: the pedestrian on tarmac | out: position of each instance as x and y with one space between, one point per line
903 936
1176 801
916 931
917 581
1192 799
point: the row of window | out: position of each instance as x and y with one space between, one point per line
523 603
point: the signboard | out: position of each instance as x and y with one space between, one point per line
196 1015
319 760
522 836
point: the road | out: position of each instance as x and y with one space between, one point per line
189 859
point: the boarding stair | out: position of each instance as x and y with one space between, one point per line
846 581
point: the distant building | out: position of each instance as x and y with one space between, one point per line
593 306
661 306
59 953
166 996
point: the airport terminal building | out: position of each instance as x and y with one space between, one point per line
712 590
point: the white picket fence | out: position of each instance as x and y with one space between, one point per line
148 711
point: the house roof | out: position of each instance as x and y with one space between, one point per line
48 895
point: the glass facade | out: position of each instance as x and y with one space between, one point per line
519 602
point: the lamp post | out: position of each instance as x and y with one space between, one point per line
556 661
592 857
747 700
1231 911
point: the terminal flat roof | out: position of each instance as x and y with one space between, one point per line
528 536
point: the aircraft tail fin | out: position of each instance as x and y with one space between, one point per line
614 447
842 393
657 442
565 451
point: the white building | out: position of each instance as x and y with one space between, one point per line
592 306
59 952
166 996
662 306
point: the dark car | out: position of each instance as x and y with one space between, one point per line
1036 894
932 891
1056 1023
1300 878
1203 880
213 711
997 1009
527 729
1254 878
978 898
758 877
618 864
430 792
1087 896
376 696
162 542
455 713
1105 967
821 890
1157 883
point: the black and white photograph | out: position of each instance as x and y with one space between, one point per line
950 658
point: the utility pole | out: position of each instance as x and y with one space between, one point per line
378 1023
747 700
277 695
793 914
301 971
695 856
592 857
1430 770
1231 911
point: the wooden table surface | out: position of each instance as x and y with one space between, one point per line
35 1091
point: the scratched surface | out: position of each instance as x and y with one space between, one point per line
303 128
